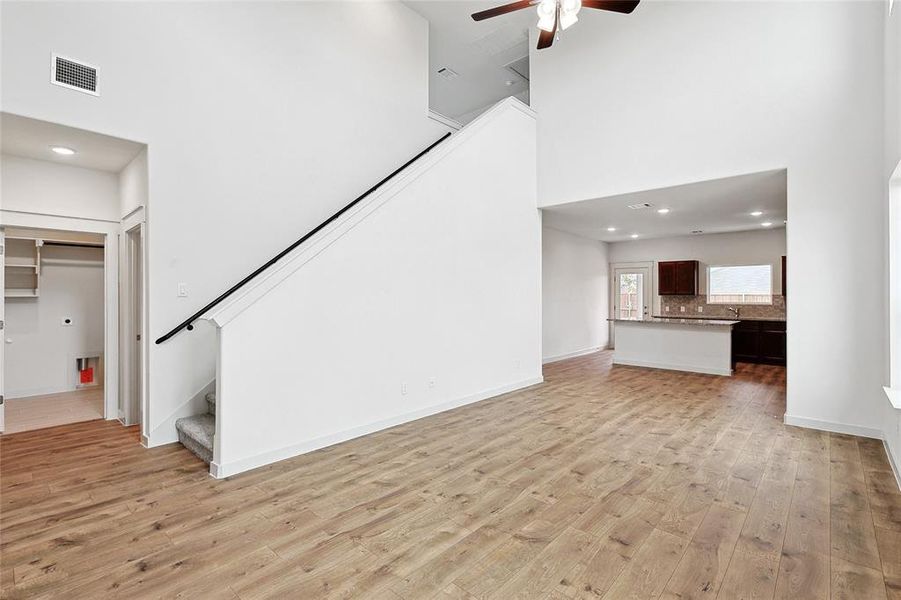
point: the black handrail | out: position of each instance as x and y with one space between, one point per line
188 323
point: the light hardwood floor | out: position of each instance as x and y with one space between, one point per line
601 483
50 410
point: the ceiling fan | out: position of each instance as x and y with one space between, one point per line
556 14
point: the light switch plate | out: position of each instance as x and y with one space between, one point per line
182 290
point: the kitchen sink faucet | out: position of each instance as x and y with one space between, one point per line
734 311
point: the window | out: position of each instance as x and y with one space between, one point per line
744 284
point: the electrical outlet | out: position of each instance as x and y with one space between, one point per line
432 382
67 322
681 309
666 309
403 388
700 309
182 290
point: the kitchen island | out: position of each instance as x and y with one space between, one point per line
695 345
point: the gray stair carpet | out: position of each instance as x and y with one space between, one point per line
196 434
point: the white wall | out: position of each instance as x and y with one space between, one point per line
41 357
575 295
763 247
689 91
39 186
133 185
439 283
258 126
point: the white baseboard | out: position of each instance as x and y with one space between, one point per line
891 460
558 357
858 430
847 429
671 366
239 466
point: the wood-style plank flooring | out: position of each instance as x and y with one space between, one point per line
50 410
603 482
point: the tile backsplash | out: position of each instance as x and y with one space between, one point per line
691 303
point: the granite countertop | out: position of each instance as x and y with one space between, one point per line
706 318
668 321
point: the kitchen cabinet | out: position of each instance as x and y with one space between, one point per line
760 342
677 278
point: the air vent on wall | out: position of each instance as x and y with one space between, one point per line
73 74
641 206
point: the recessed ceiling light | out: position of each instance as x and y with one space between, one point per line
63 150
765 224
662 211
633 236
611 229
756 213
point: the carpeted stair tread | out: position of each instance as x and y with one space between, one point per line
196 434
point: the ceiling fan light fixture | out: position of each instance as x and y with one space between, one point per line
547 14
567 19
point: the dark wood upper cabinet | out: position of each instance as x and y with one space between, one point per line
666 278
677 278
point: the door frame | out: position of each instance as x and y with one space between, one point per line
647 287
110 231
132 323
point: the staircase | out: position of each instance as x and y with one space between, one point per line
196 432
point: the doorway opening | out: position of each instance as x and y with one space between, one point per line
73 264
53 350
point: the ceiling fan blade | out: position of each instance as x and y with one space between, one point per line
546 38
501 10
620 6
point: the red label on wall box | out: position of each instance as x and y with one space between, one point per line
87 375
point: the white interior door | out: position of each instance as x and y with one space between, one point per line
133 307
2 325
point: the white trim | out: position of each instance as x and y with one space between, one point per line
894 397
847 429
559 357
896 469
110 231
858 430
9 211
262 285
672 367
444 120
239 466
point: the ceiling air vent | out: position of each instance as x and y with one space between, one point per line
448 73
73 74
641 206
519 67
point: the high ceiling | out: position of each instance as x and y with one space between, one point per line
713 206
30 138
477 52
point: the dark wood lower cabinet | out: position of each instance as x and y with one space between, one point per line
760 342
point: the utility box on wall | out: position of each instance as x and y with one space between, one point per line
88 371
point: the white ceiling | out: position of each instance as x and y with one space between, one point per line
30 138
714 206
478 52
